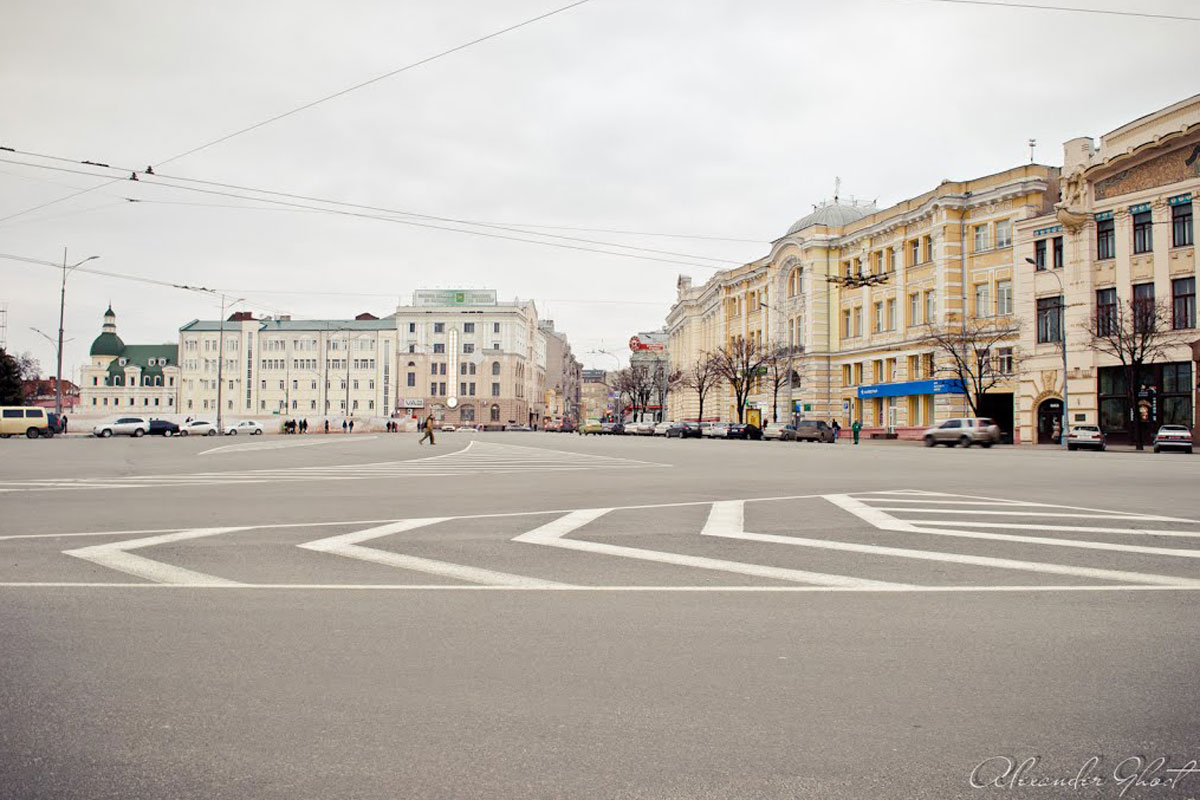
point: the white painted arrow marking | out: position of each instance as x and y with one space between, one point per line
116 555
551 534
350 546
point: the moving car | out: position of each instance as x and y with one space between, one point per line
964 431
743 430
592 428
814 430
1089 436
198 428
122 426
160 427
716 430
779 431
247 426
1173 437
29 421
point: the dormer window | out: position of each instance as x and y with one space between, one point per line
124 361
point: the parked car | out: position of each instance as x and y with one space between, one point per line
743 430
636 428
615 428
716 430
1089 436
247 426
198 428
29 421
1173 437
122 426
567 427
779 431
814 430
591 428
661 428
517 428
448 428
964 431
684 430
160 427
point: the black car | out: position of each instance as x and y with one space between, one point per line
160 427
744 430
684 430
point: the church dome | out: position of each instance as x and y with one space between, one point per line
107 344
832 214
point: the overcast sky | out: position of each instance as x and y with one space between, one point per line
709 118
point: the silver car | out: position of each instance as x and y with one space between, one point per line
964 431
122 426
1173 437
198 427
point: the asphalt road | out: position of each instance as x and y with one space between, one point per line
549 616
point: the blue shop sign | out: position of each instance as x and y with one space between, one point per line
936 386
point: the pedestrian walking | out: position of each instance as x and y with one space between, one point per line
64 423
837 429
327 426
352 426
343 426
304 425
855 428
428 426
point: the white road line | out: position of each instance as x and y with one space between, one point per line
350 546
425 587
1066 528
867 497
880 519
115 555
551 534
1032 513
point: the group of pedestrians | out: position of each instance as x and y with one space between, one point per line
295 426
855 429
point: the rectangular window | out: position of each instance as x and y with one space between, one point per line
846 323
846 375
412 379
439 347
914 249
468 347
1004 233
891 259
462 388
433 369
858 373
929 248
468 327
495 327
1039 255
1106 239
412 327
442 389
930 307
983 302
858 320
495 390
432 389
1143 307
439 327
1004 360
878 321
981 238
1181 225
1058 252
1143 232
914 309
1049 319
1106 311
1004 299
891 314
1183 295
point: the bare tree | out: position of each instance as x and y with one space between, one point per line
30 367
637 381
969 354
666 381
781 372
1136 333
701 376
741 363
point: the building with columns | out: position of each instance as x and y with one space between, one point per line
1123 231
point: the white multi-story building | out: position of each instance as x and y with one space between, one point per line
458 354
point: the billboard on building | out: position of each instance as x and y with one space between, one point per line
454 297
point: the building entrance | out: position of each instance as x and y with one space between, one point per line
1049 421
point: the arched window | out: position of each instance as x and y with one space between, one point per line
495 367
412 363
495 415
796 283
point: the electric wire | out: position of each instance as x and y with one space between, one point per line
1111 12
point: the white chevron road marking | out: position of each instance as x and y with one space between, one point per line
116 555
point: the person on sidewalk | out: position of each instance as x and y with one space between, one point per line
352 426
856 428
428 427
837 430
327 425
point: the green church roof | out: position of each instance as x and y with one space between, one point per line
107 344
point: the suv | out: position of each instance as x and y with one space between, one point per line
965 431
122 426
814 430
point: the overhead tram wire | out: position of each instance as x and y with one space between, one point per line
154 180
317 102
1076 9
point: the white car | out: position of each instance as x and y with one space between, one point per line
448 428
247 426
197 428
661 428
1085 436
717 430
639 428
122 426
1173 437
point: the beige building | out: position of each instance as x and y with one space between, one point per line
140 379
1123 231
458 354
862 353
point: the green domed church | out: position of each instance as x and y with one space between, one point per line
129 378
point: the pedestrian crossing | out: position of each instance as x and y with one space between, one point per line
477 457
889 541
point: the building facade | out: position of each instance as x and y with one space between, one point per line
458 354
139 379
563 377
596 394
1123 232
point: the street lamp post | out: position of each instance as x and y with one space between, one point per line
62 307
1062 339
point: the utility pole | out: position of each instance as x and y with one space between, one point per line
62 307
347 373
221 356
